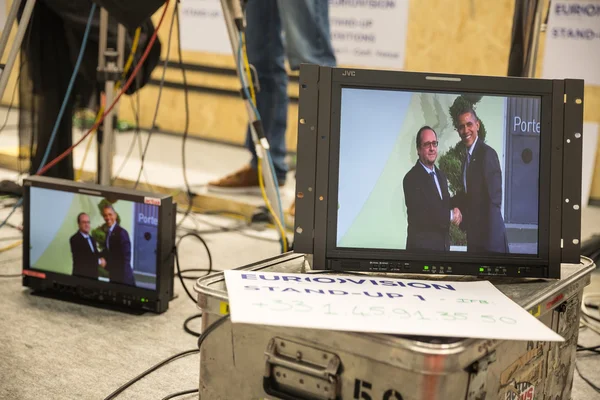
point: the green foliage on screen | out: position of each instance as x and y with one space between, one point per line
451 161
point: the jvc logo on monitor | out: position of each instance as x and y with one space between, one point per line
349 73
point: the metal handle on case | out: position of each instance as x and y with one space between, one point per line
290 377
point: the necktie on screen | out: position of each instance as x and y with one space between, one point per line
467 162
439 190
91 244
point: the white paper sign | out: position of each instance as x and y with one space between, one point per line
573 41
365 33
203 27
369 33
375 304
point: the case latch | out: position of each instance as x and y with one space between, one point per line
478 377
294 371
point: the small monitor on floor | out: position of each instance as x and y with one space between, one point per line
438 174
98 244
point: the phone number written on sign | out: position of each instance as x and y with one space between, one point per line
341 310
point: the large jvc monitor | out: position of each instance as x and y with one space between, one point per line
438 174
98 244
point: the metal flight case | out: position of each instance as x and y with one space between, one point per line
242 361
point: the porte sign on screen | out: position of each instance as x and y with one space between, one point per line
524 126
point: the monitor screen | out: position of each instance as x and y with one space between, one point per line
439 172
93 237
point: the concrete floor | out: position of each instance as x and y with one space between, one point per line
55 350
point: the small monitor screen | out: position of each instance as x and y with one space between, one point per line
93 237
438 172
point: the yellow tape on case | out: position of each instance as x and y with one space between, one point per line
224 308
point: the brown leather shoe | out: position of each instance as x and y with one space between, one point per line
243 181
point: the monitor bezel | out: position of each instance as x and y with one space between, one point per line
158 297
320 90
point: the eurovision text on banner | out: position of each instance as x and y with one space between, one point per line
364 33
380 305
572 47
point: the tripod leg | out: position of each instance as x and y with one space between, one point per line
16 47
10 20
233 14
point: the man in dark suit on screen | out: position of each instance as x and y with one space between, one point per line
117 249
427 198
86 258
481 201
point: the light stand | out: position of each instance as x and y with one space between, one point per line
234 19
16 47
110 68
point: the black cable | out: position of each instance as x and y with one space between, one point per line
211 328
149 371
187 329
11 276
12 99
183 271
201 339
180 278
586 380
223 229
160 89
179 274
136 135
187 119
182 393
210 261
595 349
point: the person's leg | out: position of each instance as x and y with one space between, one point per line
307 34
266 53
264 46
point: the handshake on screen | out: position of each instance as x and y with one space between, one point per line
456 216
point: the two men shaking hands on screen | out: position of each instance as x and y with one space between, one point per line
476 209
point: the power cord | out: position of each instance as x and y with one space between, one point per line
179 272
242 62
182 393
63 105
137 134
160 89
591 321
44 168
187 329
117 98
186 128
585 379
201 339
12 98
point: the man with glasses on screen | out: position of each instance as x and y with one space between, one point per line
86 257
481 200
427 198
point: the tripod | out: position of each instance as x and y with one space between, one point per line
110 68
14 51
234 19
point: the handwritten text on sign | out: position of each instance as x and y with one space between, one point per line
366 304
